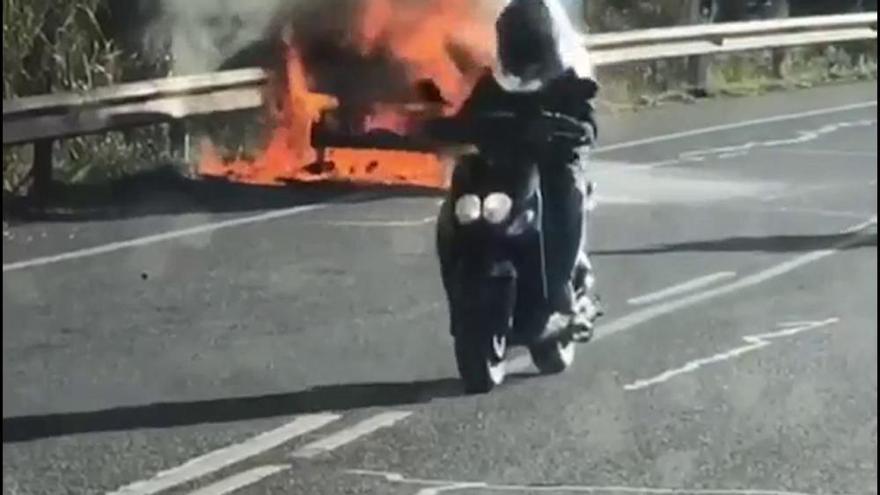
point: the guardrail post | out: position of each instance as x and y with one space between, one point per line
41 172
698 74
178 137
779 56
43 162
698 65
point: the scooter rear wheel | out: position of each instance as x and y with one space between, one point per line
480 361
553 356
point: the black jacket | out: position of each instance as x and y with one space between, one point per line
567 95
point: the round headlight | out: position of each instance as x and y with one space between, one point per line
496 207
467 209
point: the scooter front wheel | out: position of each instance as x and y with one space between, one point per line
553 356
480 361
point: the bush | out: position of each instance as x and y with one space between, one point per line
55 45
52 46
623 15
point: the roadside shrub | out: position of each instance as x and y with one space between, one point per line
52 46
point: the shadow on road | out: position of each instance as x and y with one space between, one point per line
769 244
165 192
174 414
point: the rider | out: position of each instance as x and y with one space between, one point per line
543 65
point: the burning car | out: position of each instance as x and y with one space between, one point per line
353 85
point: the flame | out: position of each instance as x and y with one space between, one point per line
425 36
447 42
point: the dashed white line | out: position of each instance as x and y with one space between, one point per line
803 136
753 343
789 192
382 223
820 212
241 480
219 459
779 145
682 288
737 125
435 486
349 435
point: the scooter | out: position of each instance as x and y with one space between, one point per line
491 230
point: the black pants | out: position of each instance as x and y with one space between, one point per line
564 188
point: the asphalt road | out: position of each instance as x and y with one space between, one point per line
304 350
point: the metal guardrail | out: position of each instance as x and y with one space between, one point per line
47 117
711 39
140 103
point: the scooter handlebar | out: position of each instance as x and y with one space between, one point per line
479 128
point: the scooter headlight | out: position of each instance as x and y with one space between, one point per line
496 207
467 209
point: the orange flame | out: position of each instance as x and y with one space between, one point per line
448 42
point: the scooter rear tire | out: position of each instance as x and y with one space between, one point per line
554 356
481 362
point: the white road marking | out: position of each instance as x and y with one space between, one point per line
661 309
854 215
800 191
736 125
433 487
689 286
777 145
653 165
794 324
241 480
382 223
219 459
801 137
753 343
821 212
830 153
162 237
349 435
523 362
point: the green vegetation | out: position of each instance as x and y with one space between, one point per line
59 45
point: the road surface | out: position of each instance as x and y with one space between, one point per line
300 345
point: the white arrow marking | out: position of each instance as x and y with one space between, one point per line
754 343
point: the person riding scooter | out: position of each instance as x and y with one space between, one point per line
543 66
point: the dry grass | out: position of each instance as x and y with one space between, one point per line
52 46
